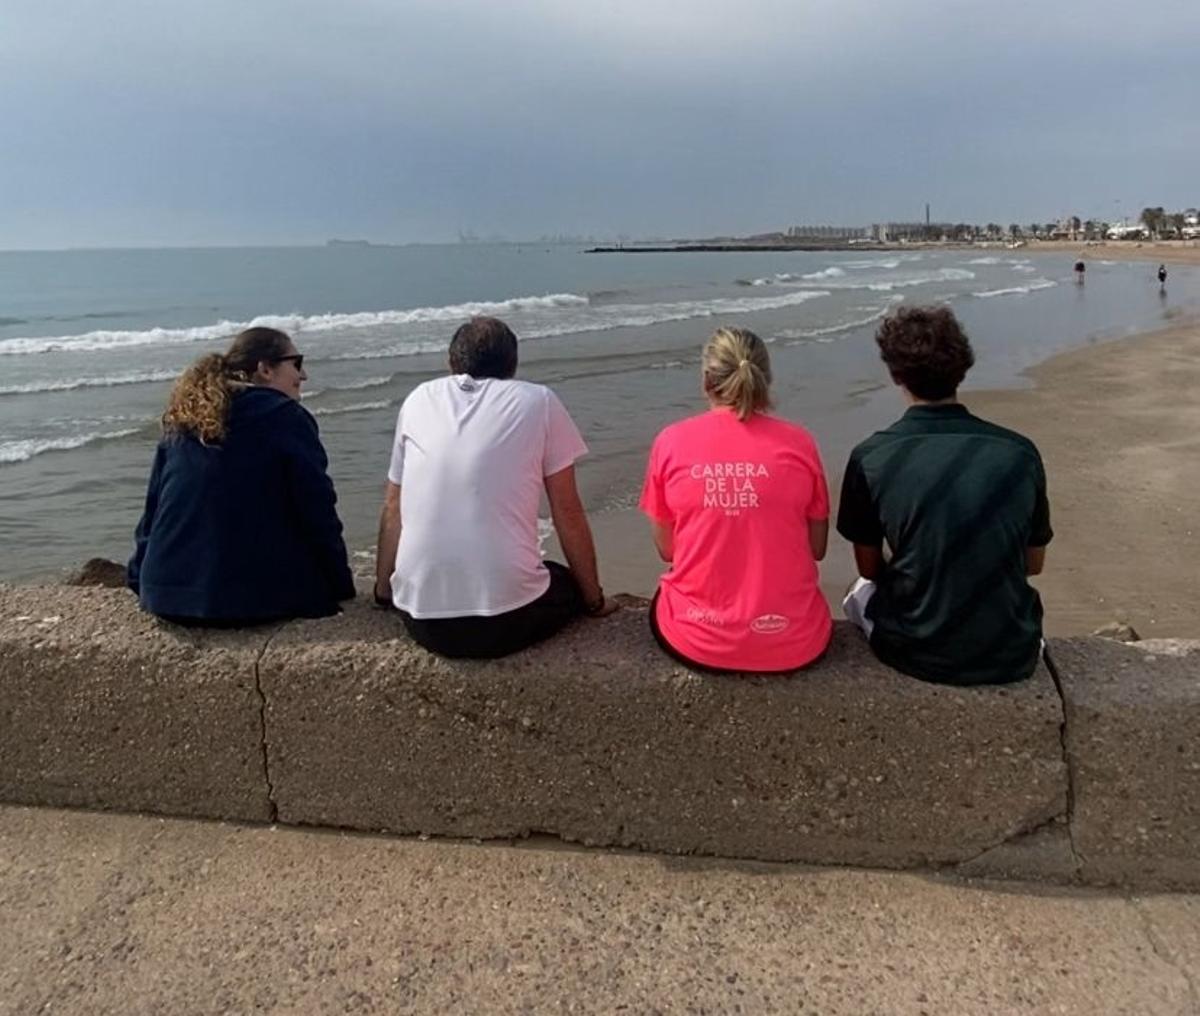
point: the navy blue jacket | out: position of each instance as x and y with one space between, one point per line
246 530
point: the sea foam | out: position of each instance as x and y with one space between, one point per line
103 381
295 324
24 450
1017 290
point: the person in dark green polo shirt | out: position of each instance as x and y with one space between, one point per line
961 505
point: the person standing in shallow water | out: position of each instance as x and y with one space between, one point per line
240 523
1162 277
739 508
961 505
1080 270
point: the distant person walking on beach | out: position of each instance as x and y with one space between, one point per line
458 551
1080 269
1162 277
240 524
961 505
739 507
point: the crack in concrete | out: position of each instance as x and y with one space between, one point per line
1066 754
262 725
1011 838
1165 954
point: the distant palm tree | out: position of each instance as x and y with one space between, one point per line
1152 219
1014 230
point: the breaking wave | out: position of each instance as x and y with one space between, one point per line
357 407
24 450
106 381
293 323
1017 290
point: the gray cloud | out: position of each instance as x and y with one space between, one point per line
139 122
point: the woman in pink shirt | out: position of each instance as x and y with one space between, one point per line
740 509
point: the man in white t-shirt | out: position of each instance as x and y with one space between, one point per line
458 535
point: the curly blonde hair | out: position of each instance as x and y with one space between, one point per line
200 400
737 371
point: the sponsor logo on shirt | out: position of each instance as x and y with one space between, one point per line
769 624
700 616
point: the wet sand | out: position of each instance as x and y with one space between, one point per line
1118 425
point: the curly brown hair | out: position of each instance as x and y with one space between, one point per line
199 403
925 350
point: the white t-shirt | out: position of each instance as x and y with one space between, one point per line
470 456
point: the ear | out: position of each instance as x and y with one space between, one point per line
263 371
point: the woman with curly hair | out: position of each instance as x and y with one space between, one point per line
739 508
240 525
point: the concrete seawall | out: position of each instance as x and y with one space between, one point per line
1091 774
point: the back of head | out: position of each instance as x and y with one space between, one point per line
737 371
484 347
200 401
926 351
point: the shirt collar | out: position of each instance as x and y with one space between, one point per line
928 412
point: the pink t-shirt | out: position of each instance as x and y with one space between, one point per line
742 592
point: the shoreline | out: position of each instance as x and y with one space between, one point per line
1119 433
1178 252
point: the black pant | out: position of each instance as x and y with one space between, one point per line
502 634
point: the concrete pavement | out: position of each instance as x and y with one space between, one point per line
129 914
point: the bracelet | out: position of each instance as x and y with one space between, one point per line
596 605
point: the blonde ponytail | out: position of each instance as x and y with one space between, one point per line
737 371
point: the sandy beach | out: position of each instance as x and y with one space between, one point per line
1171 252
1118 426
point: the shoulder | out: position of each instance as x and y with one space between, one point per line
1019 443
878 441
525 391
426 390
789 431
681 430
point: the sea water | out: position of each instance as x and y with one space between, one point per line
91 340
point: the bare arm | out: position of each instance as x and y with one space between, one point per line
664 540
389 540
869 560
575 537
818 537
1035 560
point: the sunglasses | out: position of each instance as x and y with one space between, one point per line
296 358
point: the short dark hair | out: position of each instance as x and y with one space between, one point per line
484 347
925 350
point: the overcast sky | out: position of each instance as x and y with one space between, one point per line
129 122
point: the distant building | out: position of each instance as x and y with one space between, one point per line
913 231
828 233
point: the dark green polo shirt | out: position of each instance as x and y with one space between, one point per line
958 500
